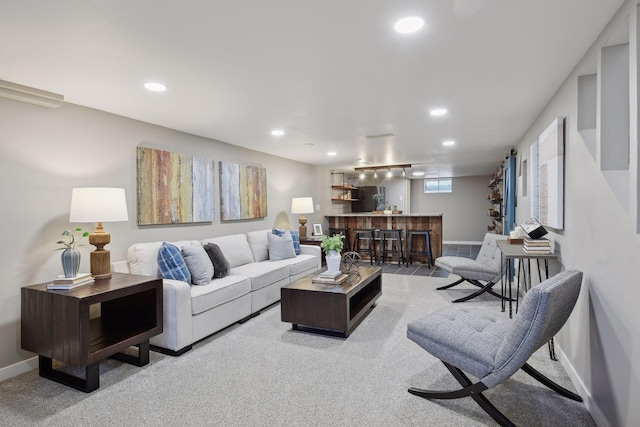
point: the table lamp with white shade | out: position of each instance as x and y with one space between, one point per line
99 204
302 205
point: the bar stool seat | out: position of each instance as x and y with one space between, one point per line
345 233
395 237
360 235
427 246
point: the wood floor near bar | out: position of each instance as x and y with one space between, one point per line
419 269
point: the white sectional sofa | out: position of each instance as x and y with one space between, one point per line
193 312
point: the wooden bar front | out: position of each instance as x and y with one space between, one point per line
406 222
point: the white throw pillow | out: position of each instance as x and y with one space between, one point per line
280 247
198 263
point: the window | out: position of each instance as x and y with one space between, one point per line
438 185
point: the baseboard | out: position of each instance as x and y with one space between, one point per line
591 405
460 242
18 368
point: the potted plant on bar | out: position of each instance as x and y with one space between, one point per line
332 246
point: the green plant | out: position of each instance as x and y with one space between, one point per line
378 197
332 243
71 240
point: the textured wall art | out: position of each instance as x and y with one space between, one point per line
243 192
173 188
547 176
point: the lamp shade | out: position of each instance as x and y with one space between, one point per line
98 204
302 205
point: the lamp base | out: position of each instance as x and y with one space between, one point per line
101 264
303 231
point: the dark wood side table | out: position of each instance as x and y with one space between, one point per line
57 325
314 241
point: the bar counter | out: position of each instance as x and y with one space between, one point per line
406 222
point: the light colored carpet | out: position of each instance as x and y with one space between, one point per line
262 373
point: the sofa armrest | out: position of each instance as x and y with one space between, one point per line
313 250
176 310
120 267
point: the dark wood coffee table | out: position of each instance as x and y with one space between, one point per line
330 309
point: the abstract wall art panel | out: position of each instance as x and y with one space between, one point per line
243 192
173 188
547 176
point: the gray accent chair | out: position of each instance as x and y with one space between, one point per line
492 347
486 267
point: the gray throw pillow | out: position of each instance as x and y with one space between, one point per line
221 265
280 247
198 263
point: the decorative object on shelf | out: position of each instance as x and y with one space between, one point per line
351 264
98 204
332 245
302 205
243 192
533 228
70 255
379 198
173 188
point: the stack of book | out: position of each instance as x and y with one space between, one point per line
330 277
66 283
537 246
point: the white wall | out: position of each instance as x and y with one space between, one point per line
464 210
45 153
600 343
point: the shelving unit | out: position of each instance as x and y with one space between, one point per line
496 202
341 191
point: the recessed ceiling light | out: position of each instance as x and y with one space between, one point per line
449 142
407 25
417 173
155 87
331 153
277 132
438 112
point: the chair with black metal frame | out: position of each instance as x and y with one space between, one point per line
490 346
394 246
486 268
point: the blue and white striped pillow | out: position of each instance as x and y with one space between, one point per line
171 263
295 236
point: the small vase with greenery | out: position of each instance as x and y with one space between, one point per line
332 245
70 255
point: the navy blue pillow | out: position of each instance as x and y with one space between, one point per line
171 263
295 236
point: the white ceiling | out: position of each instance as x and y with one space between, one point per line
328 73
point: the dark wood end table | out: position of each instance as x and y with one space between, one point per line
57 325
331 309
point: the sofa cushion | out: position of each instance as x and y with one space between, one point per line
258 243
299 264
218 292
198 263
220 263
171 263
280 247
235 248
263 273
295 237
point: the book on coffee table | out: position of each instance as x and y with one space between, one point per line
329 280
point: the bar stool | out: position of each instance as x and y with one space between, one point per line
365 234
427 246
393 236
345 233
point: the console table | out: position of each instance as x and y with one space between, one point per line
58 325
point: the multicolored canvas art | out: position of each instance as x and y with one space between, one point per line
243 192
173 188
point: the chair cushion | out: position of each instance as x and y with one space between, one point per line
198 263
466 267
221 264
280 247
171 263
464 337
